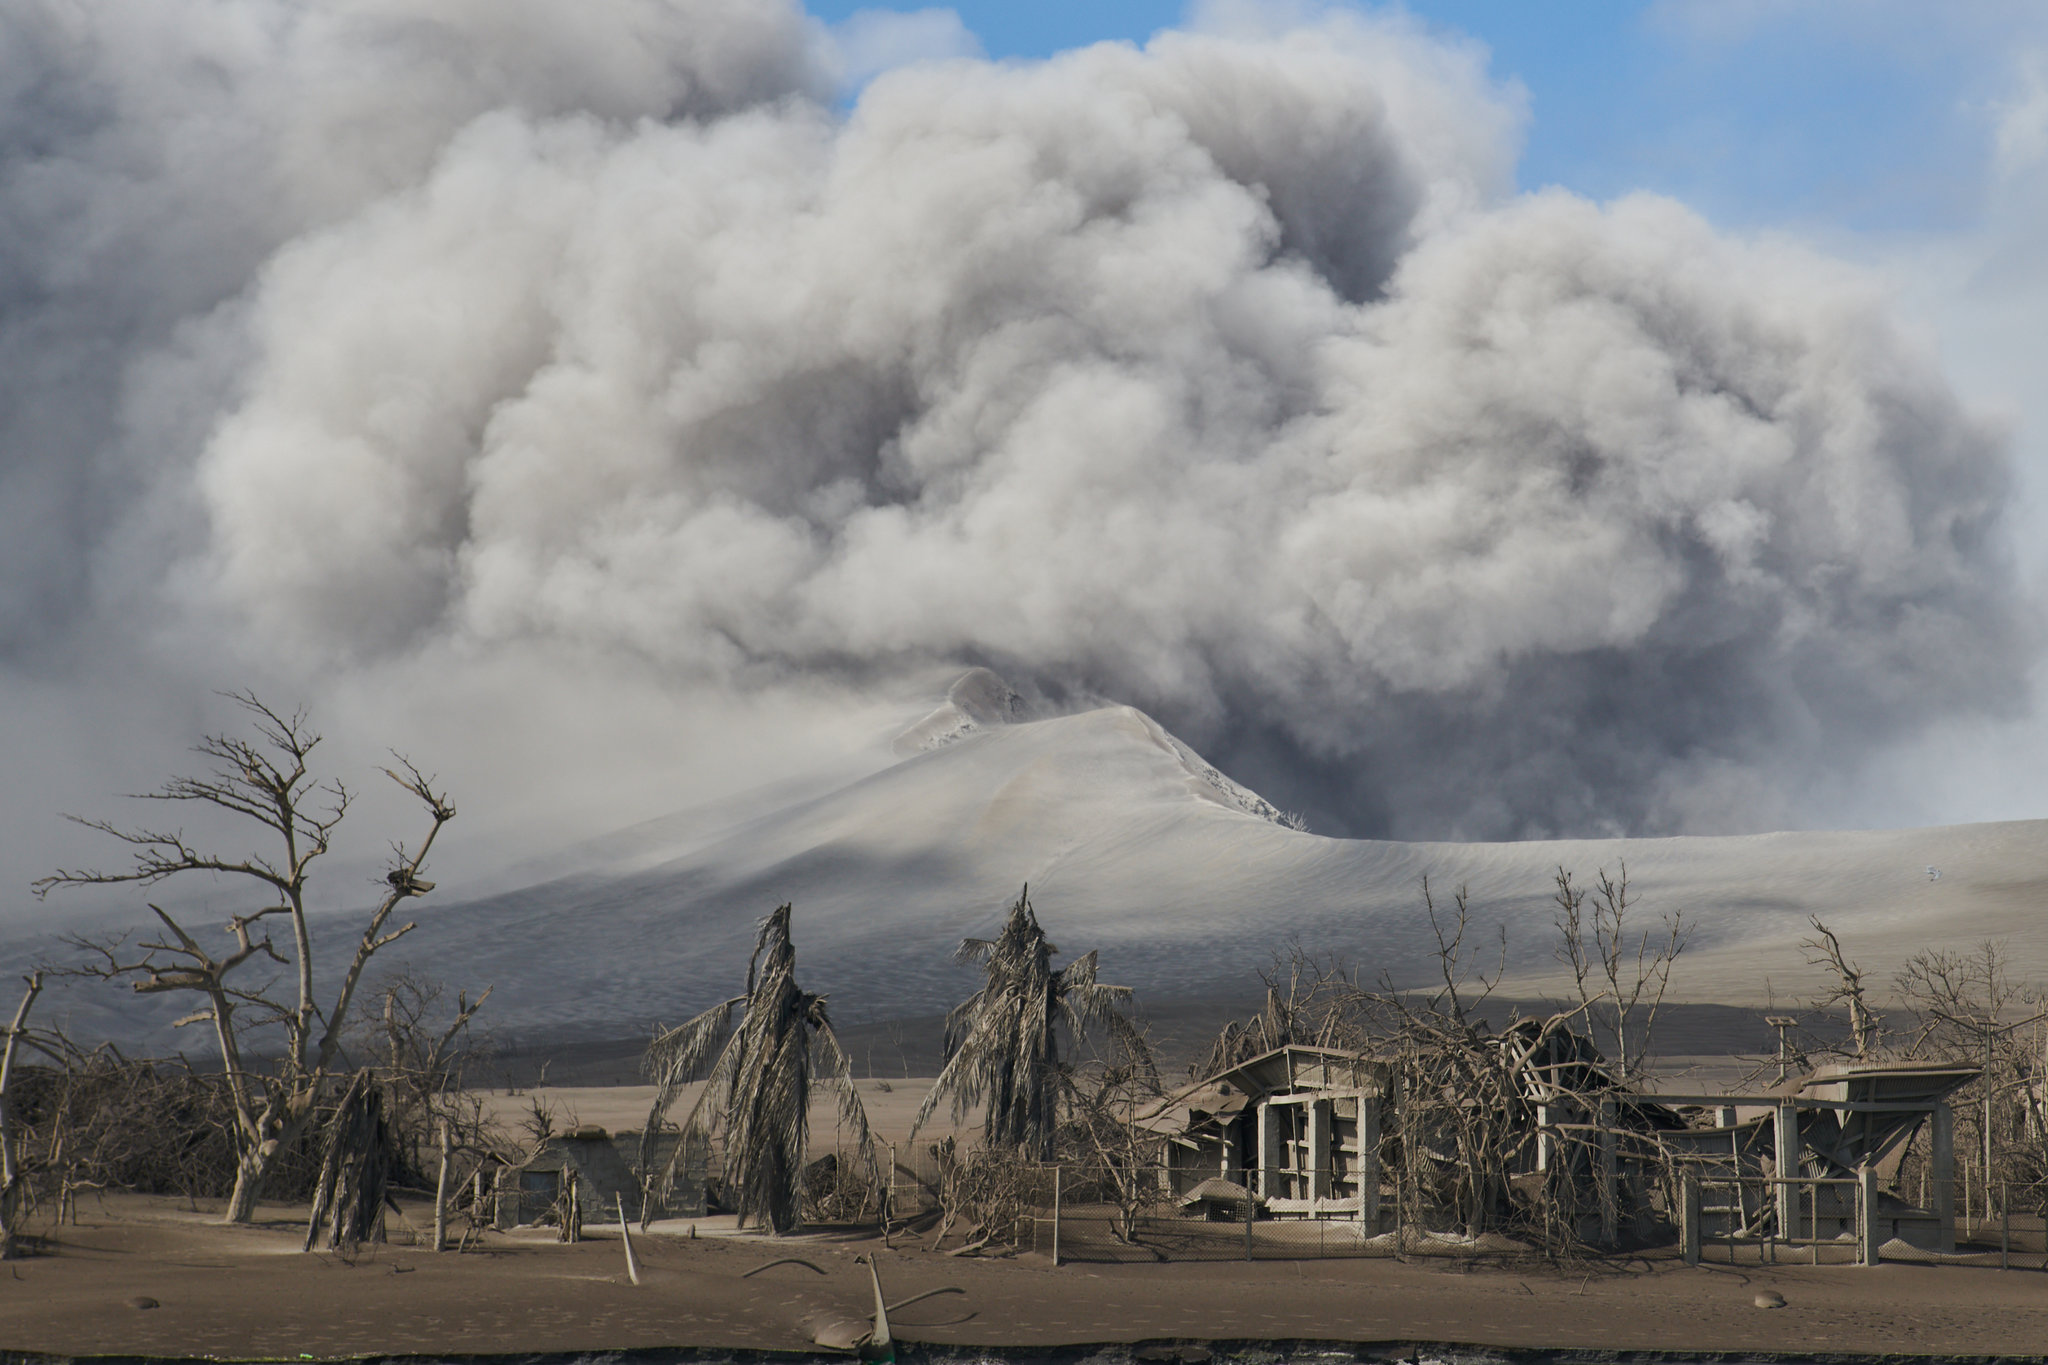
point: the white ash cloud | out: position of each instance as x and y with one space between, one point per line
1223 376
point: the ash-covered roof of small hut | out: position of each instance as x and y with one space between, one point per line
1292 1068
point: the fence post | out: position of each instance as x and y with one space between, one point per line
1610 1178
1813 1209
1866 1214
1251 1209
2004 1224
1056 1216
1965 1201
1942 1158
1400 1204
1689 1216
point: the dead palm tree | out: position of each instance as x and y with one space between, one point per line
1002 1042
760 1083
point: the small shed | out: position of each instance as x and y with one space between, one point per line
1827 1125
604 1167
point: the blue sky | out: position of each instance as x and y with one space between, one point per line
1866 116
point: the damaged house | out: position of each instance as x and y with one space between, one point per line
1304 1120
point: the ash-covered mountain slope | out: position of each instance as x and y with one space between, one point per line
1105 814
1185 882
1133 845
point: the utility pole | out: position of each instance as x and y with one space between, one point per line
1784 1024
1988 1088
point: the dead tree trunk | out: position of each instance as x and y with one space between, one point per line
572 1206
252 1167
356 1172
441 1193
11 1189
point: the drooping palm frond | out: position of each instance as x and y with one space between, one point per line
673 1060
1002 1042
760 1084
837 1065
1085 1003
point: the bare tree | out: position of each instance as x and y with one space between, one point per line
1620 973
1313 1006
103 1121
422 1061
265 779
1825 950
1959 999
1967 1007
986 1188
1103 1135
1477 1105
13 1168
1463 1119
760 1083
1002 1042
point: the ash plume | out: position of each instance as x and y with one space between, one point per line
1225 376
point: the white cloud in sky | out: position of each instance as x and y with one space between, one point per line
868 42
2023 120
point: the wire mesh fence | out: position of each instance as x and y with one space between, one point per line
2009 1229
1103 1214
1095 1214
1819 1221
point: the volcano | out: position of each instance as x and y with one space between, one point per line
1186 883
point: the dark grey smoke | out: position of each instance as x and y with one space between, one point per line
1223 376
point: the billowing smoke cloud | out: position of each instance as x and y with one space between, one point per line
1225 377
